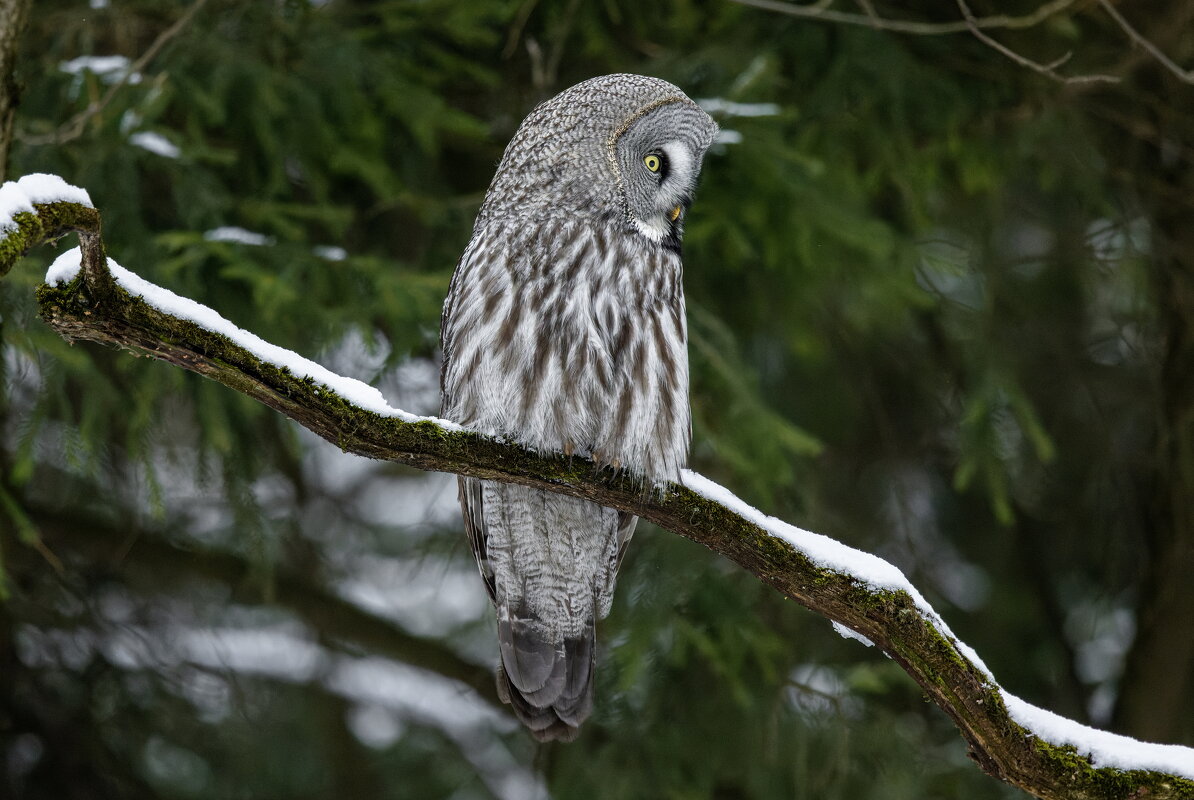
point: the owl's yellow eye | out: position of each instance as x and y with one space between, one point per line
652 163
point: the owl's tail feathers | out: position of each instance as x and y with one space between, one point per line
548 682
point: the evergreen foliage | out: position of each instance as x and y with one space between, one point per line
934 302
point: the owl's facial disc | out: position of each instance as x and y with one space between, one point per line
659 160
668 191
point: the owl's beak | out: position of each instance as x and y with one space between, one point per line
675 215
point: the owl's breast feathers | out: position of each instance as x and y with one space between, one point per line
570 336
564 329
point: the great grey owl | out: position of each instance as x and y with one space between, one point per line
564 330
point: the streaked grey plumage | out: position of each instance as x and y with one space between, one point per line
564 329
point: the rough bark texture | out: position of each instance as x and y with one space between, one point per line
92 308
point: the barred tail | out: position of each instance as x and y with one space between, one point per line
547 680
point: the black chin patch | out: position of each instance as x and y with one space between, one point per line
675 228
671 239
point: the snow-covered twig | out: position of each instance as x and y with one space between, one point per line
824 12
88 297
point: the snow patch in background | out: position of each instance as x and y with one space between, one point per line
375 726
282 651
155 143
386 694
109 69
230 233
818 690
729 108
329 252
424 597
412 694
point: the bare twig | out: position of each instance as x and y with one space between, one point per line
977 26
559 39
1049 70
1183 75
74 127
869 9
517 26
821 10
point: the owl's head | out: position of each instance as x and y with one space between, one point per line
620 149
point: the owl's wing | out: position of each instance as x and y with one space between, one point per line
473 506
605 580
626 526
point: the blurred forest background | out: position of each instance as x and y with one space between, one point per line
941 308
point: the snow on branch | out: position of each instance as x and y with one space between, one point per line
89 297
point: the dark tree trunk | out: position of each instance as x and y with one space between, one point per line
13 15
1156 699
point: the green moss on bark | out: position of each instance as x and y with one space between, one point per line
1107 783
50 221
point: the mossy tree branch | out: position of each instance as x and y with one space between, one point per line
93 307
51 222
